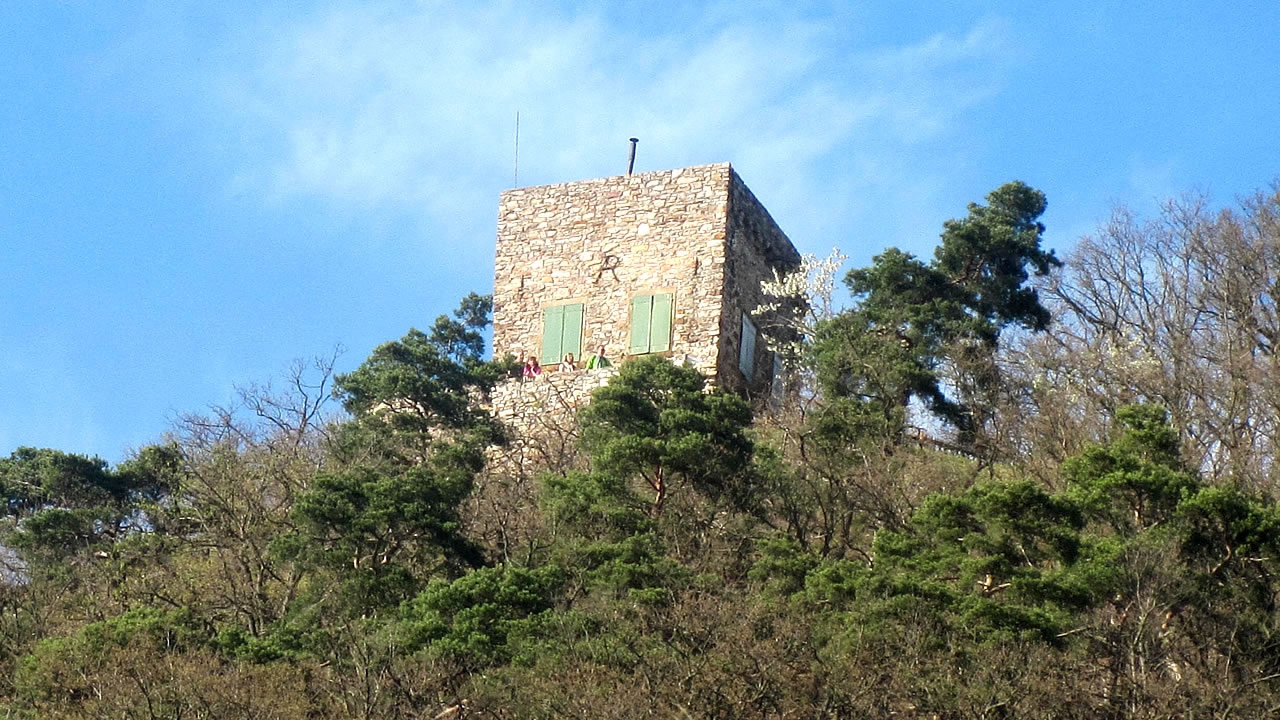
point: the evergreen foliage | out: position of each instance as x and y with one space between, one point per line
913 318
654 422
685 559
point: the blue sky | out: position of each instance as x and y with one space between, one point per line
192 194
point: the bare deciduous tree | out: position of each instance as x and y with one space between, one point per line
1182 310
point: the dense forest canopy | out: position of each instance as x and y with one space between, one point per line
1015 486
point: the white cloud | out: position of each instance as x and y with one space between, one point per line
414 107
923 87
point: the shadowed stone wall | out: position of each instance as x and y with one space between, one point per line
755 247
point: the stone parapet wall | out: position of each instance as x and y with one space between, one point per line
520 401
541 414
601 242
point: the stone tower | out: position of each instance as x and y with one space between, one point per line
666 262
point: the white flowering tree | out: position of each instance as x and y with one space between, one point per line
798 301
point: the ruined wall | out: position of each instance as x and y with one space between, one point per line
755 246
601 242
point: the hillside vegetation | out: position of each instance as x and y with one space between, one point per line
1003 485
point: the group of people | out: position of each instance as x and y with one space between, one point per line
532 369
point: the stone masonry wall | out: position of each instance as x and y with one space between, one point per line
541 414
755 246
600 242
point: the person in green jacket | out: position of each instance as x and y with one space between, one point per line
598 360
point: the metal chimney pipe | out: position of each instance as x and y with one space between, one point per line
631 163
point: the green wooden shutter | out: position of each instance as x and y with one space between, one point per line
747 349
641 309
561 332
660 325
571 336
552 332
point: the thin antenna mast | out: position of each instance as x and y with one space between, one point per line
515 175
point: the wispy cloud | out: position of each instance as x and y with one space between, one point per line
923 87
414 106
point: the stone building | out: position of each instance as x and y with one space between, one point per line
666 262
